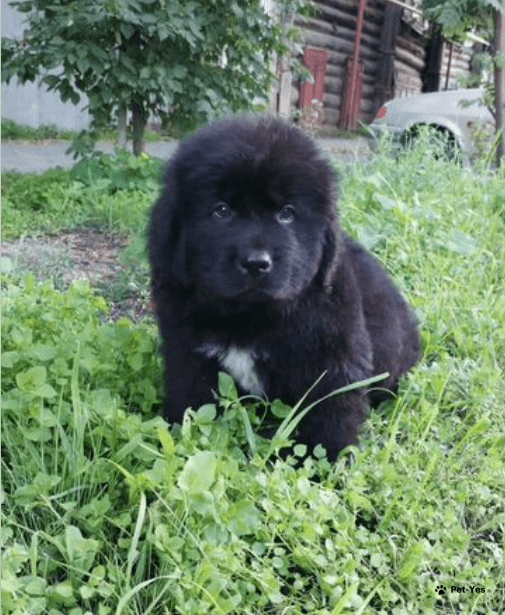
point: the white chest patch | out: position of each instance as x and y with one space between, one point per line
239 363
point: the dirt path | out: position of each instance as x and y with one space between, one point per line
82 254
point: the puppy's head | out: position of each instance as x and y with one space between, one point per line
247 214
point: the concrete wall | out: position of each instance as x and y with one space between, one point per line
31 103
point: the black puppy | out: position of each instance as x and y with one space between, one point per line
252 274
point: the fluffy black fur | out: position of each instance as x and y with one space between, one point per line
252 274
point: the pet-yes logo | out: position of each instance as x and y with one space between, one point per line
455 589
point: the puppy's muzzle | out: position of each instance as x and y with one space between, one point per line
256 264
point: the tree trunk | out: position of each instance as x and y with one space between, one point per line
121 127
139 123
499 76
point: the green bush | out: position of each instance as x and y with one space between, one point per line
107 509
123 171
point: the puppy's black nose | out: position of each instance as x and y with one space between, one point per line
256 263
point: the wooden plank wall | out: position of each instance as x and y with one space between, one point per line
333 29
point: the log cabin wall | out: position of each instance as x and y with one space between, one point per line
460 61
333 30
410 59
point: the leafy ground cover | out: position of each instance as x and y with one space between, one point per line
108 510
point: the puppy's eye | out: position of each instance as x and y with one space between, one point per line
286 214
222 211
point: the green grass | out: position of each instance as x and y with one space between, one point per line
35 204
107 510
112 193
13 131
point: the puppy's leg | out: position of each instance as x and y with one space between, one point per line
189 380
334 423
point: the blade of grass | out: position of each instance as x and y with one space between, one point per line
291 421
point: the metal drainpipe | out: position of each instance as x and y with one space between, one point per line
352 105
449 62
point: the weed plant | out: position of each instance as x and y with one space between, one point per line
107 192
108 510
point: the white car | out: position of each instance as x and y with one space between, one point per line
460 114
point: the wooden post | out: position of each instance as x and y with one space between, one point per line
285 76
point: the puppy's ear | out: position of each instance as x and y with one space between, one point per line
332 251
167 244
